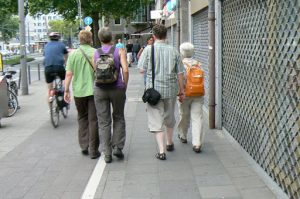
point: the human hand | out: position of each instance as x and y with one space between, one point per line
67 97
181 97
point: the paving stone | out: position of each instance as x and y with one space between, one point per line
71 195
213 180
251 193
173 186
143 191
219 192
240 171
248 182
137 179
114 186
180 195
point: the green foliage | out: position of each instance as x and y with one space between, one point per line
69 8
16 60
9 26
8 7
66 28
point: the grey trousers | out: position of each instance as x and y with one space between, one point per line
88 136
110 104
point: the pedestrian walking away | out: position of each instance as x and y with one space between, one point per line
129 47
110 95
150 41
168 80
120 44
136 48
80 70
190 109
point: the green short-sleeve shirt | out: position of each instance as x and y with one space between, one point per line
83 73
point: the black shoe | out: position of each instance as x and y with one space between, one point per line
197 149
118 153
170 147
108 158
183 140
95 155
85 152
161 156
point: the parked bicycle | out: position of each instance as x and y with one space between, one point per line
57 102
12 92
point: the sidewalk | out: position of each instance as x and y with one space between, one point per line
220 171
37 161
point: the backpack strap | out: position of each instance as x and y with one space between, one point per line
110 52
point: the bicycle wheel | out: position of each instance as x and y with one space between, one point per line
65 110
54 113
14 87
12 103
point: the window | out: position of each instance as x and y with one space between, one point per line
118 21
49 17
39 24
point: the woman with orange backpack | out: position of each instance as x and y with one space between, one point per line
190 108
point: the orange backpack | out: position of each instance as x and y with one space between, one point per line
194 81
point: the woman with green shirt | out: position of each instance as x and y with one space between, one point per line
81 73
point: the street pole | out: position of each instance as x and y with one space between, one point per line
178 23
28 37
211 63
79 13
24 82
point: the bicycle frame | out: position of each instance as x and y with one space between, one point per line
57 104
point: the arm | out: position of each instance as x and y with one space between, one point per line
139 53
143 61
124 64
66 58
181 87
68 78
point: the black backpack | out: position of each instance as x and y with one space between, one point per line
106 72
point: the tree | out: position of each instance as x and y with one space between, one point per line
67 29
8 7
9 26
93 8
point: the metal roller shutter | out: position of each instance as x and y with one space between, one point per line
200 41
260 91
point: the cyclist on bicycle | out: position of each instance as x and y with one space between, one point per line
56 55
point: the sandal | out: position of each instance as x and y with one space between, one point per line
170 147
182 140
161 156
197 149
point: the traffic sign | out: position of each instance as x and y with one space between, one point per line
88 21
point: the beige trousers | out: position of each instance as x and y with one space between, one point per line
190 112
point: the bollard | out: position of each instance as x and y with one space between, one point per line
39 71
29 75
19 79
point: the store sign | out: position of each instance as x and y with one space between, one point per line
169 8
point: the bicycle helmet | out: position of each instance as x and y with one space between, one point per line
54 36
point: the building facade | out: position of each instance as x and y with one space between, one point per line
257 78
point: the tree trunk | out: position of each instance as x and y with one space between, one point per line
95 29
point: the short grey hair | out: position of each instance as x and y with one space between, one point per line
105 35
187 50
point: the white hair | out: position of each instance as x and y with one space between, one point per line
187 50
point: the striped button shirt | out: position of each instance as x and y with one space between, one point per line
168 65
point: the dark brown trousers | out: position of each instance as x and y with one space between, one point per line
88 136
